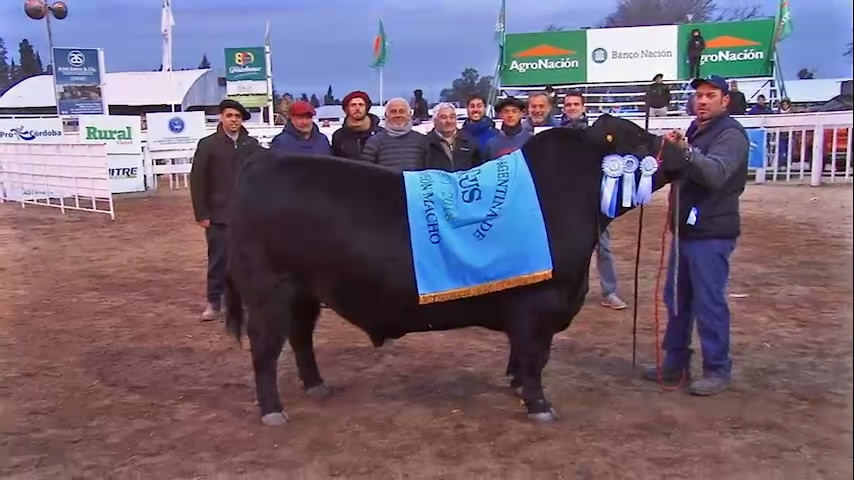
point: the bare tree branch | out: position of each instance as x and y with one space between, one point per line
635 13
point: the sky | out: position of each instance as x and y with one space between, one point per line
317 43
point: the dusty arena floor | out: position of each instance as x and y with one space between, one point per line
106 372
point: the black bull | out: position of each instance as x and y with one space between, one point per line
306 230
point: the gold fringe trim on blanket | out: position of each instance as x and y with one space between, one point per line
494 286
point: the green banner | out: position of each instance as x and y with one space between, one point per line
245 64
733 49
544 58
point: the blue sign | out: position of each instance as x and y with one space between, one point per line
756 157
77 77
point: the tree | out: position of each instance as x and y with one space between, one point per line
15 75
304 97
553 28
635 13
329 99
806 74
469 83
848 51
314 101
5 69
205 64
29 64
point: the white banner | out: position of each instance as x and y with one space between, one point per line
175 131
126 173
626 54
122 134
31 130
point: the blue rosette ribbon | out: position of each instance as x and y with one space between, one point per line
612 170
648 167
630 166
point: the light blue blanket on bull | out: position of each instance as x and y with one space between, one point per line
476 231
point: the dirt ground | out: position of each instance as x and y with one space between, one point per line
106 372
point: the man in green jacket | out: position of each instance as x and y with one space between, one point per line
216 162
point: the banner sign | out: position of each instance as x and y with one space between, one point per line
733 49
174 131
120 133
78 80
246 76
636 54
126 173
756 157
31 130
545 58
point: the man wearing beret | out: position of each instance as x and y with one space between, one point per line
301 135
359 125
716 147
216 162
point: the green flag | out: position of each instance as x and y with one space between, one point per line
784 20
380 47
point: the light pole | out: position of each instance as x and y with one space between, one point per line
38 9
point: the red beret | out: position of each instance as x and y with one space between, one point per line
301 108
356 94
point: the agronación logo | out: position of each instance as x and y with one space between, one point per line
732 49
544 57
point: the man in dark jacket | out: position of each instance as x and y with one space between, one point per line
478 125
658 97
216 162
708 226
761 107
398 147
512 135
696 45
420 108
359 125
737 102
449 148
301 135
539 112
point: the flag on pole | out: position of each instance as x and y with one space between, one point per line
784 20
500 31
167 21
380 47
500 25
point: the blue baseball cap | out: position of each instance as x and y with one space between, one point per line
714 80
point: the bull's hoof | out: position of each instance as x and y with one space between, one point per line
544 417
276 419
318 391
517 391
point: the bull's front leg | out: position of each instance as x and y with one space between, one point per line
531 350
267 332
305 312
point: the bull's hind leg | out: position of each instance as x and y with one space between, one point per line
305 311
514 373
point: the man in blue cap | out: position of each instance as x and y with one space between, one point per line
707 197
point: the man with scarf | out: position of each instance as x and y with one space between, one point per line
478 125
398 147
216 162
359 125
575 116
512 135
539 112
716 147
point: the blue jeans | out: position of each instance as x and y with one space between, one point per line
703 275
605 265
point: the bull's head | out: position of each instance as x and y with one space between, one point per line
618 135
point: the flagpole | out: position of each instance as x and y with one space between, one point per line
268 57
381 85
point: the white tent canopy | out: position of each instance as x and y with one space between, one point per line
186 88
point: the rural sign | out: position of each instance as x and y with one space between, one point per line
636 54
733 49
545 58
246 75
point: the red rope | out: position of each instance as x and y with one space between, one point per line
656 300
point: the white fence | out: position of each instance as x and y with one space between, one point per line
68 176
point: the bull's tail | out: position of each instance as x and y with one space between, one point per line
235 319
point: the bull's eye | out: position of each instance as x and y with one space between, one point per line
609 138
